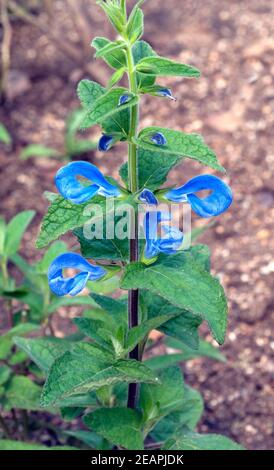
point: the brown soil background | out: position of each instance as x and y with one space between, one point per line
232 106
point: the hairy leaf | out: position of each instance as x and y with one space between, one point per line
182 281
121 426
179 143
165 67
188 440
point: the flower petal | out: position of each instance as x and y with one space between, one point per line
105 143
148 197
169 243
63 286
124 99
158 138
70 188
166 93
212 205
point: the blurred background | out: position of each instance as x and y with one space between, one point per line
45 48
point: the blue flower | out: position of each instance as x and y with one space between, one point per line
171 240
214 204
166 93
61 286
148 197
124 99
105 143
70 188
158 139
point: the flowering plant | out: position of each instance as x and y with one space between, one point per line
126 400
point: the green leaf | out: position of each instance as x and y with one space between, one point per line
37 150
121 426
63 216
138 333
97 330
153 168
109 48
107 106
88 92
5 373
205 349
4 135
179 143
166 67
103 248
116 77
188 415
6 339
157 401
58 302
135 26
2 234
22 393
184 326
98 369
188 440
182 281
162 362
43 351
15 231
116 58
116 308
91 439
17 445
141 50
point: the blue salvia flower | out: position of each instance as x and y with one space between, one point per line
124 99
73 190
166 93
214 204
169 244
148 197
61 286
105 143
158 138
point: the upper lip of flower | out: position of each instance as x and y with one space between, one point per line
214 204
70 188
73 285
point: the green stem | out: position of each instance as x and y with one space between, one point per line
133 295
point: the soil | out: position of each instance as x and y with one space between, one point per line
232 106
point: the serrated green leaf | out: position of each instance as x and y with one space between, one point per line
188 440
116 58
97 330
117 308
107 106
15 231
138 333
109 48
205 349
157 401
188 415
97 370
166 67
153 168
22 393
88 92
184 326
43 351
179 143
162 362
121 426
182 281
